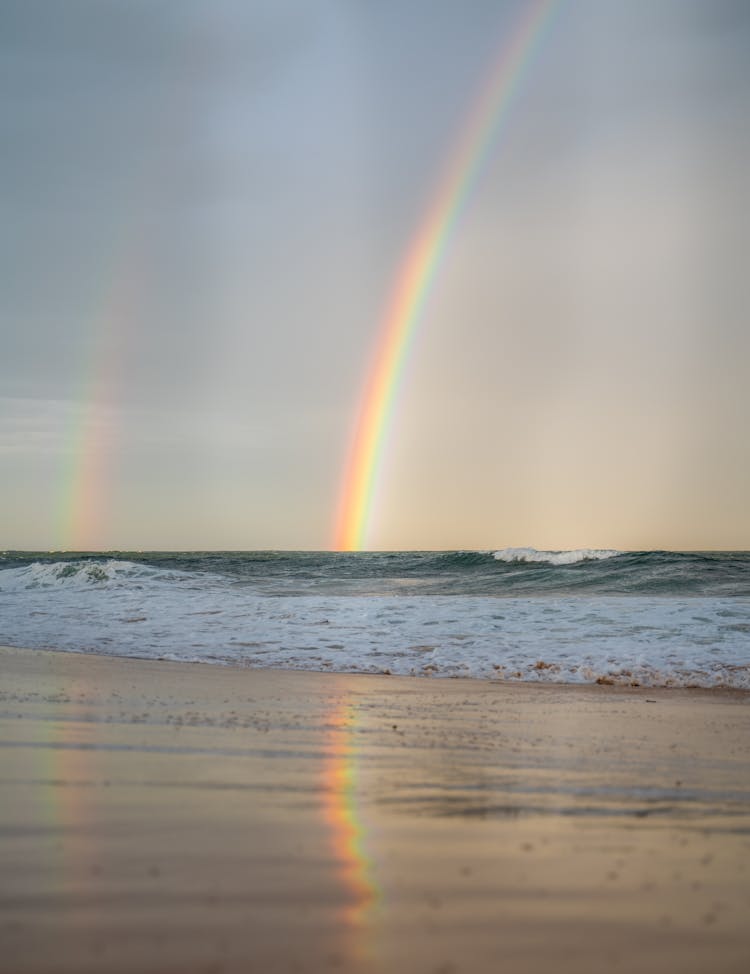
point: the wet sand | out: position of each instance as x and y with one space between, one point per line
162 817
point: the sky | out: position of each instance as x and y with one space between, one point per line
205 204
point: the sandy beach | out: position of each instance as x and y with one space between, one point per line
161 817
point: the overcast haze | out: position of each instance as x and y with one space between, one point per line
204 205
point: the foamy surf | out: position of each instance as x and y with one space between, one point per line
652 619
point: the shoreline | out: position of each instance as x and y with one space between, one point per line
597 685
161 818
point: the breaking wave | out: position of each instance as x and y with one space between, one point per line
83 574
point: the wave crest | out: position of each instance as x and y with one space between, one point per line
555 557
72 574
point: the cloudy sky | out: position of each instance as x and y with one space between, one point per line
204 206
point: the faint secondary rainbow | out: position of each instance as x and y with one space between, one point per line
89 448
92 439
93 433
419 268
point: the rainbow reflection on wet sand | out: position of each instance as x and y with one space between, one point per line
341 776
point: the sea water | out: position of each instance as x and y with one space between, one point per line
648 618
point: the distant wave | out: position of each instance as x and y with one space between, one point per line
523 572
555 557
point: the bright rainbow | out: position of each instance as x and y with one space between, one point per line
418 270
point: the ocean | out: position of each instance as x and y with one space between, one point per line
651 618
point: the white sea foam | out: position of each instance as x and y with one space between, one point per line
555 557
137 610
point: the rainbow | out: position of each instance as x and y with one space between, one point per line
91 438
93 434
419 268
89 448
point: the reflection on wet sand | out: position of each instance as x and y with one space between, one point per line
160 818
341 771
63 812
